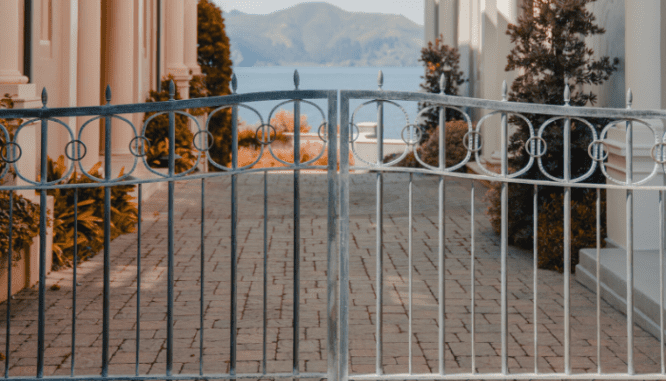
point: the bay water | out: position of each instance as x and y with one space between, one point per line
260 79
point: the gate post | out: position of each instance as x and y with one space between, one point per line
343 353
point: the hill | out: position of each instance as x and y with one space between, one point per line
321 34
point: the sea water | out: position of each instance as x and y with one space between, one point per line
260 79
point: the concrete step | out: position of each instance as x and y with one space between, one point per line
613 276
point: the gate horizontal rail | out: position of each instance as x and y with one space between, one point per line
338 216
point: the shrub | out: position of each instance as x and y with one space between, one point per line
429 149
550 51
436 57
283 121
25 213
157 132
90 238
25 225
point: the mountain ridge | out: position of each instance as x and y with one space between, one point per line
322 34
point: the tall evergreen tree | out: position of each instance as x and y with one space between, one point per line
549 52
214 58
440 59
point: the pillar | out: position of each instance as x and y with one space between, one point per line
175 47
88 73
447 24
489 82
430 27
190 48
465 44
13 82
645 73
9 43
119 67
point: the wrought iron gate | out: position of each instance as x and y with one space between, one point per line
338 253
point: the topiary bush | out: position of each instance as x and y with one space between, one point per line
157 133
549 53
439 60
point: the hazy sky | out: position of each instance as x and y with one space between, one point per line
412 9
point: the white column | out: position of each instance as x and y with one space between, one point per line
430 26
489 83
9 43
13 82
175 36
645 73
88 73
190 49
465 44
120 66
447 24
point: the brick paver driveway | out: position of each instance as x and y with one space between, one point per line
313 290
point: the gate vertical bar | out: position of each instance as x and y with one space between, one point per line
441 224
379 369
344 238
630 240
472 270
504 234
332 259
170 242
75 260
265 269
138 277
661 275
9 278
535 265
410 264
297 226
598 275
41 318
234 222
567 237
107 240
202 272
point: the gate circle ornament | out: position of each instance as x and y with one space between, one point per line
653 153
324 137
351 132
3 149
417 131
80 143
211 140
528 146
475 135
601 145
256 134
143 147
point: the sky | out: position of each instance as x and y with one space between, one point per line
412 9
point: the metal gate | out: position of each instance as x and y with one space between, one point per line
338 245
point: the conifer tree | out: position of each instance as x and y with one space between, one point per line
440 59
214 58
549 52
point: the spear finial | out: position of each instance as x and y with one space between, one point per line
172 90
45 97
630 98
380 80
234 83
505 90
442 84
567 95
297 79
107 94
